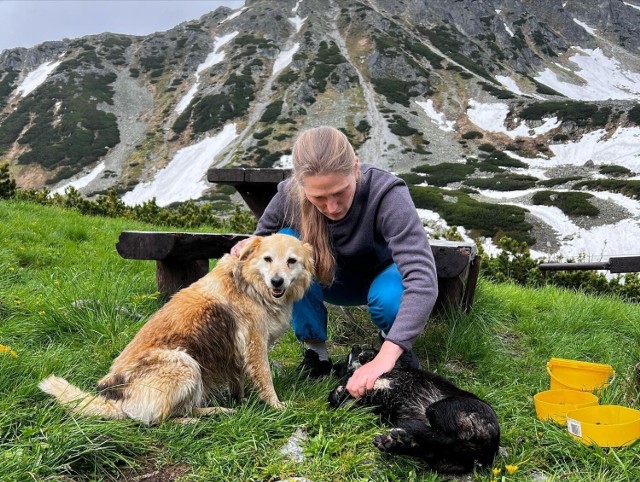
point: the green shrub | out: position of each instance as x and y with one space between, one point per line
615 171
571 203
483 219
212 111
444 173
400 127
503 182
634 115
581 113
364 127
499 158
396 91
330 54
272 112
497 91
630 188
472 135
412 178
263 134
421 49
558 180
7 184
486 147
84 134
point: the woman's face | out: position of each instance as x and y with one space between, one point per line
332 194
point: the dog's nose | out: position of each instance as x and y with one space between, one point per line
277 281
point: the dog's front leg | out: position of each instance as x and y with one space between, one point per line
258 370
338 396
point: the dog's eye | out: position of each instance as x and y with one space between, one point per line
292 261
268 259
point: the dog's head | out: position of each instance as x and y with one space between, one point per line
280 263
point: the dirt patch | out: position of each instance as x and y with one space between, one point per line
164 474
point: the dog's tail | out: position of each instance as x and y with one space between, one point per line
80 402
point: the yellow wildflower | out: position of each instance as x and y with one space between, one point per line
8 350
511 469
41 312
496 471
17 302
11 269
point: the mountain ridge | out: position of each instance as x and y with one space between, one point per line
410 83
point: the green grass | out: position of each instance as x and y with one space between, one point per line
69 304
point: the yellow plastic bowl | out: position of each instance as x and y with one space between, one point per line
578 375
604 425
554 404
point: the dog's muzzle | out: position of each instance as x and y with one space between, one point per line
277 287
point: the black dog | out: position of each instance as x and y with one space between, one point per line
450 429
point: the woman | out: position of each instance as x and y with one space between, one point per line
370 248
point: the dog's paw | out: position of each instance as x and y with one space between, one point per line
338 396
278 405
392 441
209 411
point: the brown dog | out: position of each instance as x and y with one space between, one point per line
207 338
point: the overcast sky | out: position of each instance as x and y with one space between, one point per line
26 23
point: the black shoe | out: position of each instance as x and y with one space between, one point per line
312 366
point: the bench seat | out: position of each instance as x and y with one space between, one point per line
182 258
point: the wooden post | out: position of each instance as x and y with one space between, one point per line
172 276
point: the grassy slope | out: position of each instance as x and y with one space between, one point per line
69 304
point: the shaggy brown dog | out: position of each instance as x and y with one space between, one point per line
207 338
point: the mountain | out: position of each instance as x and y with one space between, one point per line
517 117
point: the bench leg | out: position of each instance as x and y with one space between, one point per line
172 276
460 290
472 282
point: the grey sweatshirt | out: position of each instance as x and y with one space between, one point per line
381 227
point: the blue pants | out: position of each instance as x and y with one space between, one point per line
381 295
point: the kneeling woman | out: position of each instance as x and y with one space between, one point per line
370 247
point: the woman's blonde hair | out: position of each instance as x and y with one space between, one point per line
319 151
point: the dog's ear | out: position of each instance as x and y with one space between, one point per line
250 247
309 259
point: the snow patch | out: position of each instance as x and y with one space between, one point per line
34 79
601 78
437 117
82 181
491 117
284 59
183 178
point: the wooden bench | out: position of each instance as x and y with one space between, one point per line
256 186
182 258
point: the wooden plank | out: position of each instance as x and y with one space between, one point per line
226 176
265 176
624 264
572 266
240 175
176 246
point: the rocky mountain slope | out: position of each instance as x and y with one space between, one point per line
505 110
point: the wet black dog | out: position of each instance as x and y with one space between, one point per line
450 429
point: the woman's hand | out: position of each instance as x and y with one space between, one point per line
237 248
365 377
